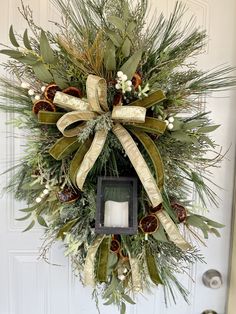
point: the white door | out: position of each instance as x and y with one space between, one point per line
31 286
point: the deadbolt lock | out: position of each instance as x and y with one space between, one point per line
212 279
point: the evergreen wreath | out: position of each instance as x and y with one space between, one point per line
108 95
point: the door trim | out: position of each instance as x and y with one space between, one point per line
231 304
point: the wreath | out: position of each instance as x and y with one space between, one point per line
117 140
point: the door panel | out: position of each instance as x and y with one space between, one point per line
29 285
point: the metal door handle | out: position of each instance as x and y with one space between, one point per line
209 312
212 279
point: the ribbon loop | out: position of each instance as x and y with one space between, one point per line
97 93
129 114
69 102
65 123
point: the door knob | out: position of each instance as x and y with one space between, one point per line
209 312
212 279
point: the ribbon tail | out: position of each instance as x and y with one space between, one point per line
136 277
91 157
172 231
89 265
139 164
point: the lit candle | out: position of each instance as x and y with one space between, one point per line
116 214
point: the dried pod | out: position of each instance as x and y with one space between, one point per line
68 195
43 105
136 81
73 91
149 224
117 100
115 246
156 209
180 211
50 91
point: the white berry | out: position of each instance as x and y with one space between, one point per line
125 271
119 73
121 277
25 85
124 77
170 126
31 92
37 97
129 89
166 122
43 88
171 119
118 86
38 200
45 192
129 83
159 117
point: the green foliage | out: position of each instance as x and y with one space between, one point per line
101 37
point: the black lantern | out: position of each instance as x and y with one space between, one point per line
117 205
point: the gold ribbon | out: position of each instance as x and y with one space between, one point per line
172 231
73 122
139 164
136 277
90 261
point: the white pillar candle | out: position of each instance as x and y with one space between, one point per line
116 214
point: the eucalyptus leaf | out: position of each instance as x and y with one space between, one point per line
130 66
115 38
126 48
12 53
13 38
128 299
126 11
195 221
59 80
178 124
182 136
117 22
109 302
205 231
216 232
131 28
193 124
24 218
123 308
46 50
160 235
42 73
27 210
208 141
29 59
110 56
67 227
42 221
26 40
30 226
215 224
208 129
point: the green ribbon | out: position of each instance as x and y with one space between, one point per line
103 256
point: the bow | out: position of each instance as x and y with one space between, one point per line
125 119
